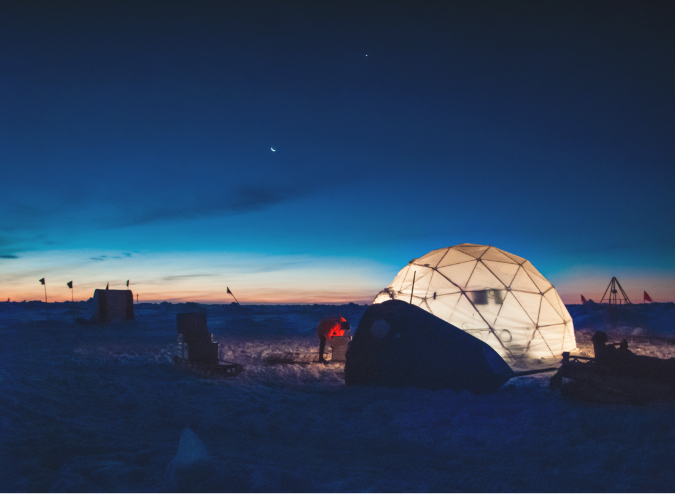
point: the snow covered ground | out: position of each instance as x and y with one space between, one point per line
89 408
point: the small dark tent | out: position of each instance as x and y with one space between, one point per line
113 305
400 344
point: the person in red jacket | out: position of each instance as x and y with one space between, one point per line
327 328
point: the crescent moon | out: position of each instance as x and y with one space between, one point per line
273 150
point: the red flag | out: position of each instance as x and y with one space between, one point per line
42 281
647 297
70 284
583 299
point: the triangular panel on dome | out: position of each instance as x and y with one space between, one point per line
466 317
552 298
538 347
472 249
554 337
440 285
530 302
431 258
489 312
505 272
541 283
419 290
548 315
494 254
414 274
513 316
518 259
398 281
458 273
522 282
453 256
444 306
483 279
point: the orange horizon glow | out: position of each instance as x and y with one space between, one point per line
257 279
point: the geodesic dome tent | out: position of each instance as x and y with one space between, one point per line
491 294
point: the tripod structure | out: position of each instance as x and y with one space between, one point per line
614 298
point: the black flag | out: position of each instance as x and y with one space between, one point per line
42 281
127 283
70 284
107 286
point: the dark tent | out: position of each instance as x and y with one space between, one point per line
113 305
400 344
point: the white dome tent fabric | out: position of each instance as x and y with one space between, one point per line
491 294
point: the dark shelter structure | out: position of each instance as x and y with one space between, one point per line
113 305
400 344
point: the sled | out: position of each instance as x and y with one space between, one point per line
584 379
220 369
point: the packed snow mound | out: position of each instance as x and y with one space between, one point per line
190 449
491 294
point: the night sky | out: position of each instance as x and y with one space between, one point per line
136 143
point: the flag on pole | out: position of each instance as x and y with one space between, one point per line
127 283
70 284
583 299
107 286
42 281
230 292
647 297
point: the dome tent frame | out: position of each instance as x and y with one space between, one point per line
491 294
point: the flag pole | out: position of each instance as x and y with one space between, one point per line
230 292
44 283
72 299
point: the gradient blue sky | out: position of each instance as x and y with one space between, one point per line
135 144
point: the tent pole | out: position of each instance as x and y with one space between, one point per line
413 286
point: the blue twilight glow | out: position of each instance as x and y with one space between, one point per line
191 146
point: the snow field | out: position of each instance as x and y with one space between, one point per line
87 408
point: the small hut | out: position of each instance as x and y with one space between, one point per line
113 305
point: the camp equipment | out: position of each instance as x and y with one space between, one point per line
491 294
615 375
202 351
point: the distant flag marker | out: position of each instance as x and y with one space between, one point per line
107 287
583 299
70 284
45 284
235 298
647 298
127 283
